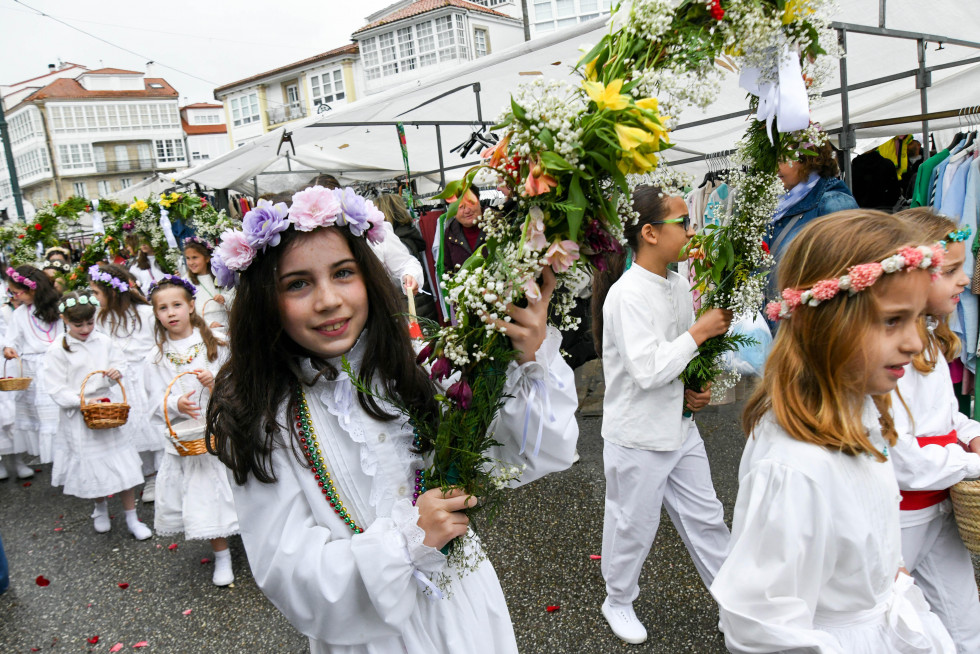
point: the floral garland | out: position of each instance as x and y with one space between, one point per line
50 222
568 157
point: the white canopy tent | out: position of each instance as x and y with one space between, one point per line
340 143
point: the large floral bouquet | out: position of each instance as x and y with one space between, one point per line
571 152
27 241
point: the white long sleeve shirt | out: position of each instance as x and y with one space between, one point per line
935 412
645 347
28 334
397 260
62 372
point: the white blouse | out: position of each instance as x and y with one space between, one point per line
205 304
646 346
816 546
397 260
935 412
367 592
28 334
63 372
136 341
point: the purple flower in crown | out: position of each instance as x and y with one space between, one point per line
263 224
314 207
360 215
224 277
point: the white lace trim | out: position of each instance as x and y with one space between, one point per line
406 517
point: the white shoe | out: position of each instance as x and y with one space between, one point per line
101 517
576 458
23 471
624 623
139 530
223 574
149 489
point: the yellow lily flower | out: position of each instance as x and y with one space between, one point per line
139 205
631 138
796 9
607 97
648 104
590 70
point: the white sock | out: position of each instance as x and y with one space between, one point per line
139 530
101 517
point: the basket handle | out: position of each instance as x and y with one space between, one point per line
81 393
20 369
166 412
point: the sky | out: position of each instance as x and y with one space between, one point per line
210 42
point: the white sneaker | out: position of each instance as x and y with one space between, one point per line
624 623
101 517
149 489
223 574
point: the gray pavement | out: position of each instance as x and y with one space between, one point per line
540 547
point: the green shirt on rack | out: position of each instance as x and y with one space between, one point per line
921 195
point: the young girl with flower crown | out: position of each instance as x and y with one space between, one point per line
816 559
193 494
8 405
340 531
97 463
143 265
645 325
34 325
213 303
127 318
936 447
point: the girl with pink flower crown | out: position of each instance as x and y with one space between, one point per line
653 453
214 302
341 532
193 495
816 557
937 447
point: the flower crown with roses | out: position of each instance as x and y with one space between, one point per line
311 208
96 274
176 280
17 278
206 244
857 279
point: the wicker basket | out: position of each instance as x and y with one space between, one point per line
103 415
966 507
191 447
14 383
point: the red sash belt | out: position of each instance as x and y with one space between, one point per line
913 500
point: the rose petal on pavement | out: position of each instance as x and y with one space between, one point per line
172 546
123 585
115 648
187 612
142 643
552 609
93 640
595 557
41 581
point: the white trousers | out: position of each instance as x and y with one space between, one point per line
940 563
638 484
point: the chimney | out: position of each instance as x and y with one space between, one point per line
51 68
150 69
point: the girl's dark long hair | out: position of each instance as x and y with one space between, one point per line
211 342
120 308
263 369
46 296
651 203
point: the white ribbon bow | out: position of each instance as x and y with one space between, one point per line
784 100
168 232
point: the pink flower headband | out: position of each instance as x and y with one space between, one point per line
858 278
200 241
311 208
17 278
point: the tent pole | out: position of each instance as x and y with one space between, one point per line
881 13
442 165
255 187
847 140
923 80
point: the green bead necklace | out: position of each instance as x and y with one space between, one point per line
311 448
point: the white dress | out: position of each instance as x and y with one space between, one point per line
816 547
8 406
37 416
97 462
193 494
146 277
137 344
364 593
205 304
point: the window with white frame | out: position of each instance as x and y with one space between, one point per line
113 117
423 44
5 189
75 155
32 164
481 43
24 126
125 182
104 189
245 109
327 87
205 119
170 150
79 190
549 15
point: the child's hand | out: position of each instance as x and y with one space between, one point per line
410 285
220 299
529 325
188 407
113 374
206 378
441 517
9 353
974 445
695 401
215 325
713 322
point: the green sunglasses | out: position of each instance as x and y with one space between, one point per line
683 220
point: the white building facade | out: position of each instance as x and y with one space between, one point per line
205 132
